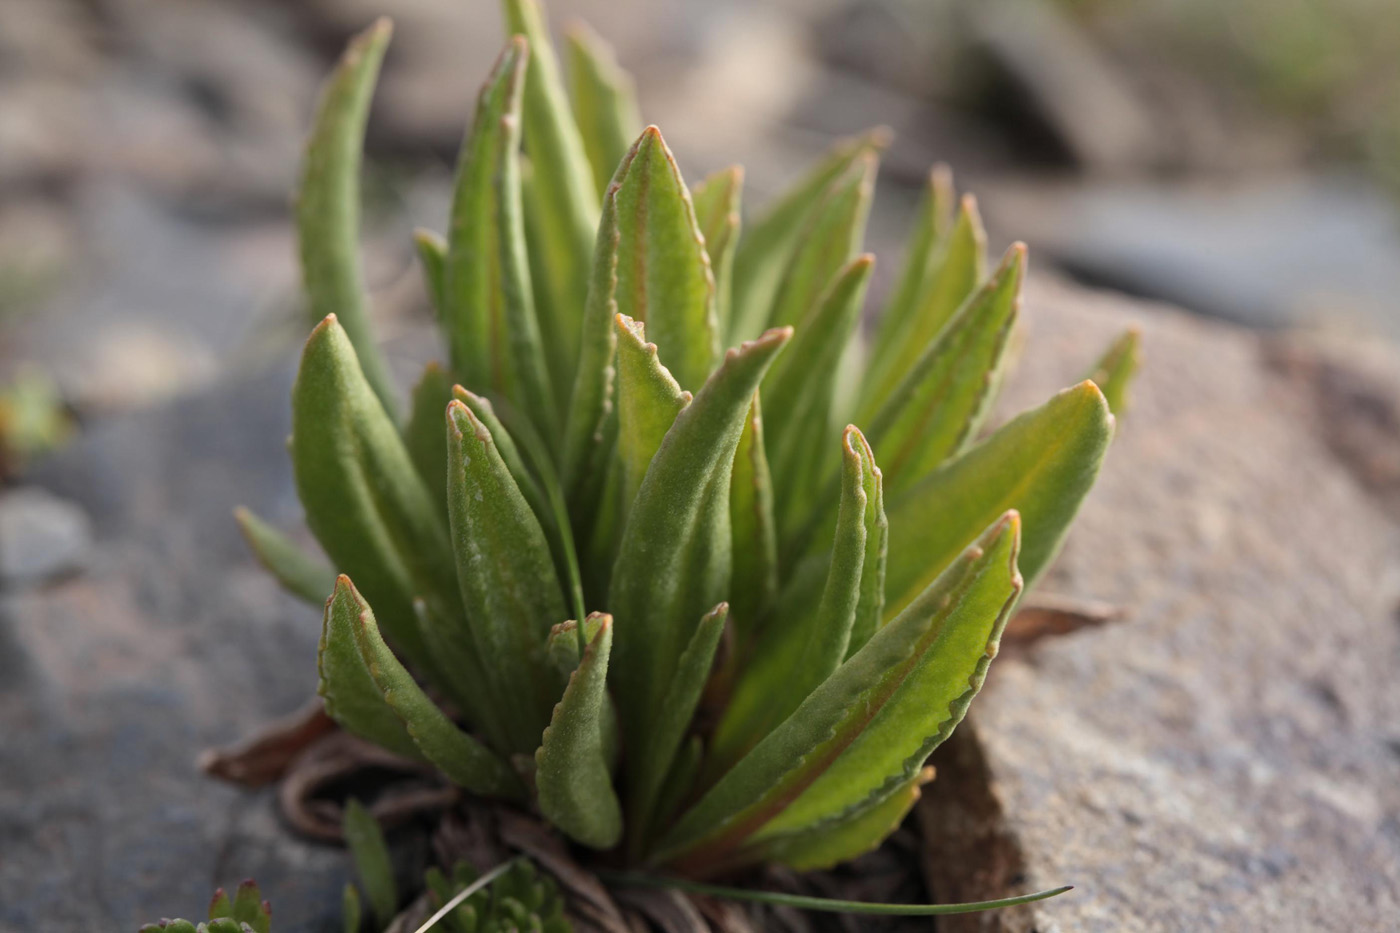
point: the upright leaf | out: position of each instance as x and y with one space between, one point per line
506 576
571 773
936 411
605 102
460 757
953 274
793 660
300 573
870 725
328 202
932 224
350 694
1114 371
372 861
832 240
767 246
648 401
488 300
533 472
797 399
753 529
423 434
564 201
364 500
674 561
651 266
1041 463
654 752
432 256
716 199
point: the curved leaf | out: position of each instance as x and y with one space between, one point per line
328 202
605 102
575 788
674 561
767 246
563 201
364 500
372 861
716 200
432 256
754 585
947 394
1115 370
1041 463
506 576
300 573
488 300
871 724
423 434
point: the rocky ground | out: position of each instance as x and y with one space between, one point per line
1224 757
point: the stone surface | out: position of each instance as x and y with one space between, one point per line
1229 757
41 537
112 682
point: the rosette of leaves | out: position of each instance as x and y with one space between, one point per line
606 568
246 912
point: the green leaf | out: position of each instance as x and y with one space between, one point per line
220 905
364 500
936 412
372 860
953 273
328 202
489 303
249 908
605 102
1115 370
539 484
461 758
648 401
1041 463
850 835
754 585
825 904
506 575
832 240
716 200
870 608
351 696
674 561
932 224
432 256
351 912
653 753
563 201
423 434
793 659
765 251
664 283
300 573
870 725
797 400
571 773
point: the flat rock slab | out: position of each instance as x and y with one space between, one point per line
1228 758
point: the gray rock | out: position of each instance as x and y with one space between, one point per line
1226 759
41 537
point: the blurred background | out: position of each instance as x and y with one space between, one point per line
1239 158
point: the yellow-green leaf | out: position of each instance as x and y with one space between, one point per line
716 199
1114 371
301 574
571 773
605 102
1041 463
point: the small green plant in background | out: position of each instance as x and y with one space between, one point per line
512 898
665 598
247 912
